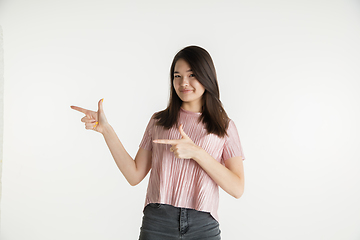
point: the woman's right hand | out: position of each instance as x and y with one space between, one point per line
94 120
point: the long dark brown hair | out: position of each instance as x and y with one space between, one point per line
213 114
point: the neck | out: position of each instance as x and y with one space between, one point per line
191 107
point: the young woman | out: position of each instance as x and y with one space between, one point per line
191 147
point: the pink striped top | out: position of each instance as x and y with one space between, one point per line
182 182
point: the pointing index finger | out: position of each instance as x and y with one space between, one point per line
165 141
83 110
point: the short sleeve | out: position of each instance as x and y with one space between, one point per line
146 142
232 146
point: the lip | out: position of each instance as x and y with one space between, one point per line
186 91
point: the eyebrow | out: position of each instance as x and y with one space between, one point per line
186 71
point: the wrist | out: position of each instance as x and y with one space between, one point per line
107 129
199 154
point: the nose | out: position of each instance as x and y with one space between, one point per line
184 81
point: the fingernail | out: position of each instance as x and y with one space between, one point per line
102 100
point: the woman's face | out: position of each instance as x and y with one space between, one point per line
187 87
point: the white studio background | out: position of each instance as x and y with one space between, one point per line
289 78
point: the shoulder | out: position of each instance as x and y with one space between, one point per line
231 124
154 119
231 129
158 114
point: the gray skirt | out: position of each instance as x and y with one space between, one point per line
163 221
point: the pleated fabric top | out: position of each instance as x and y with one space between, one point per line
182 182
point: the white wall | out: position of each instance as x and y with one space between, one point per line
1 110
289 78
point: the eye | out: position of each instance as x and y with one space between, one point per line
192 75
176 76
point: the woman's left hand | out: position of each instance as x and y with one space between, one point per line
182 148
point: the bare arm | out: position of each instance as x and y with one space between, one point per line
133 170
229 177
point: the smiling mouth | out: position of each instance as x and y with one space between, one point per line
186 91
